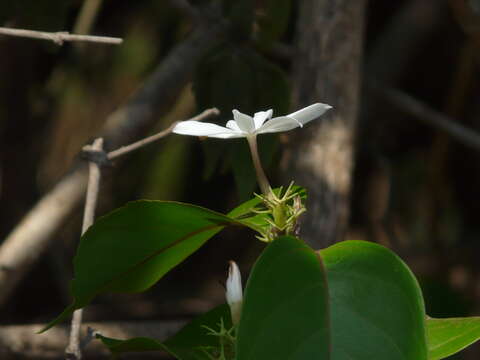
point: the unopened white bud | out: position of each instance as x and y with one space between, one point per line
234 292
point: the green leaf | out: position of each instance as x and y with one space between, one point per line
131 248
377 309
285 310
188 344
448 336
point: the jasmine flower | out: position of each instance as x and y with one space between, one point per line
244 125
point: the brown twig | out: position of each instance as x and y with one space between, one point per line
59 37
29 239
148 140
24 342
73 350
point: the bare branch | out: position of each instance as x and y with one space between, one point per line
23 342
423 112
73 350
27 242
148 140
59 37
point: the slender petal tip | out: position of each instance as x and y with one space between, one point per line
247 126
234 284
309 113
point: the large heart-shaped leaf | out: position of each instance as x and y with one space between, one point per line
285 310
131 248
377 309
448 336
193 342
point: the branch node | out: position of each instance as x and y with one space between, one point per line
99 157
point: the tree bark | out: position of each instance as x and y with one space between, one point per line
326 69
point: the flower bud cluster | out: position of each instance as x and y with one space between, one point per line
282 212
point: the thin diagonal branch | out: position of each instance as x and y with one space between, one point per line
24 342
59 37
28 241
425 113
148 140
73 350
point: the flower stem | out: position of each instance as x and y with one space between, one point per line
261 177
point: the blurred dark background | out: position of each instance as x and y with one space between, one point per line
414 186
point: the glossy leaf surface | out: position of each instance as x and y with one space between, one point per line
131 248
285 310
377 309
448 336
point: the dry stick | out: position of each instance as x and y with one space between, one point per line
27 242
59 37
428 115
24 342
73 350
148 140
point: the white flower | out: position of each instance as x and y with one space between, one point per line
246 126
234 293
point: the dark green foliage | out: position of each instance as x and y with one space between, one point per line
190 343
239 78
285 309
131 248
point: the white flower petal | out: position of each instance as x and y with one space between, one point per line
278 124
234 284
309 113
197 128
231 124
244 122
260 117
234 293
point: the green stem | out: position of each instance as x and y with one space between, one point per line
261 177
